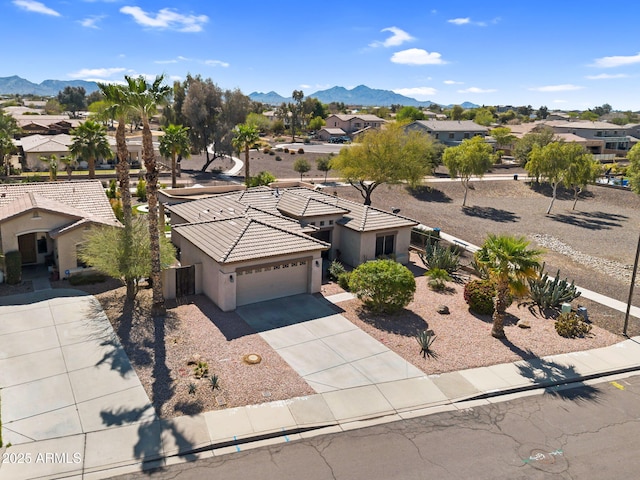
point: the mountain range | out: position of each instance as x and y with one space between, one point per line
48 88
360 95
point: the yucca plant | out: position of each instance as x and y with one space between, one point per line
425 339
547 293
214 380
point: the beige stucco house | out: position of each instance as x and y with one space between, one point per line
46 221
351 124
449 132
262 243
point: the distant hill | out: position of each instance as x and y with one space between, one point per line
360 95
271 98
50 88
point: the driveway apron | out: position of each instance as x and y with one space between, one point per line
325 348
62 369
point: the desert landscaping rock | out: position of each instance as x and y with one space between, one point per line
443 310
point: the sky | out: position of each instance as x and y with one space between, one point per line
563 54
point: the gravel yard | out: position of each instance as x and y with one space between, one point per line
593 245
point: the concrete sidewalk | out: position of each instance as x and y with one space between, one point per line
155 443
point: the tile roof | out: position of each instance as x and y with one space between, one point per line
224 206
303 206
238 239
451 125
360 217
79 198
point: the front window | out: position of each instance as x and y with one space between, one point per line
385 245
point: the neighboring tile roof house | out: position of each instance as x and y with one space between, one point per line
80 198
243 238
452 126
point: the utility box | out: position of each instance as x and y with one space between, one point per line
566 308
582 311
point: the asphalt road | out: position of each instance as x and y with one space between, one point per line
589 432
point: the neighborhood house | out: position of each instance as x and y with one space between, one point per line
246 246
46 221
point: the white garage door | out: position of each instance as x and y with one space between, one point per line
260 282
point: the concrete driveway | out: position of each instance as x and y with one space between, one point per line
62 369
325 348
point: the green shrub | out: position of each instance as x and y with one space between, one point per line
547 293
438 256
437 278
263 178
343 280
141 190
271 152
266 150
13 265
286 150
335 270
384 286
201 369
301 151
292 152
479 296
571 325
278 158
112 190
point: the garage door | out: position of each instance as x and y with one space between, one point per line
265 282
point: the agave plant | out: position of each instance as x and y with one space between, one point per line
425 339
547 293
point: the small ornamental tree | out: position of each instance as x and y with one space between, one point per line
301 166
384 286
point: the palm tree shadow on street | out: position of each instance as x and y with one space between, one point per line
557 379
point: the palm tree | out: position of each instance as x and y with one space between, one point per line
509 264
144 98
174 142
245 136
52 161
90 143
116 97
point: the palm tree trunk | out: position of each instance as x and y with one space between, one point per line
122 169
174 183
500 306
158 307
92 168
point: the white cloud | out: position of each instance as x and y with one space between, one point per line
616 61
91 22
216 63
560 101
175 78
37 7
304 86
179 58
606 76
477 90
166 18
566 87
397 38
452 82
417 56
419 93
86 73
460 21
